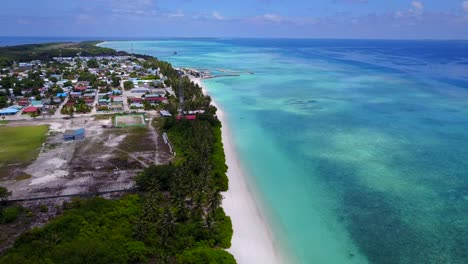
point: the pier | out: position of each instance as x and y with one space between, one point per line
207 73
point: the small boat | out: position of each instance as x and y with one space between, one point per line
175 52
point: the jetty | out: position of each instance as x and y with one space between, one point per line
208 73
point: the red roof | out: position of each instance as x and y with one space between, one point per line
155 99
81 88
136 99
188 117
30 109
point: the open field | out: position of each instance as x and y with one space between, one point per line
19 146
129 120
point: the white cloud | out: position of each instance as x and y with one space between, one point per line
176 14
398 14
272 18
465 6
417 9
418 6
218 16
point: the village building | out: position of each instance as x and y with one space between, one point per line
30 110
9 111
74 134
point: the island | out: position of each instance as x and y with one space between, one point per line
107 157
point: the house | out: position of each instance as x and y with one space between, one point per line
154 98
136 105
193 112
140 90
19 107
46 101
75 94
30 110
8 111
136 100
81 86
117 99
74 134
23 102
116 106
58 76
70 102
188 117
104 101
159 91
165 113
37 103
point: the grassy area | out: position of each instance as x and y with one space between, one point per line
20 145
22 177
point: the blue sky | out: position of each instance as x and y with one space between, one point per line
393 19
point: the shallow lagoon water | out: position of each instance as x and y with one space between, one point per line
359 149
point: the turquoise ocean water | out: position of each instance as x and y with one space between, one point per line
359 149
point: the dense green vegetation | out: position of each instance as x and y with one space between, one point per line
33 82
45 52
9 214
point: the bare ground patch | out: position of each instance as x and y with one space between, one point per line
107 159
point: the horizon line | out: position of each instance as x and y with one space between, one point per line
111 38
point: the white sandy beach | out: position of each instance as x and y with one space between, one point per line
252 241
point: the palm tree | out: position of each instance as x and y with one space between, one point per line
214 201
151 206
198 208
209 223
182 210
167 224
141 229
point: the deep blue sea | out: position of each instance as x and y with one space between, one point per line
358 148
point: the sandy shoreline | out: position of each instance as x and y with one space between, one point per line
252 241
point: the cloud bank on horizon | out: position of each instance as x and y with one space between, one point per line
428 19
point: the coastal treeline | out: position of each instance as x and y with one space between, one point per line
45 52
175 215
